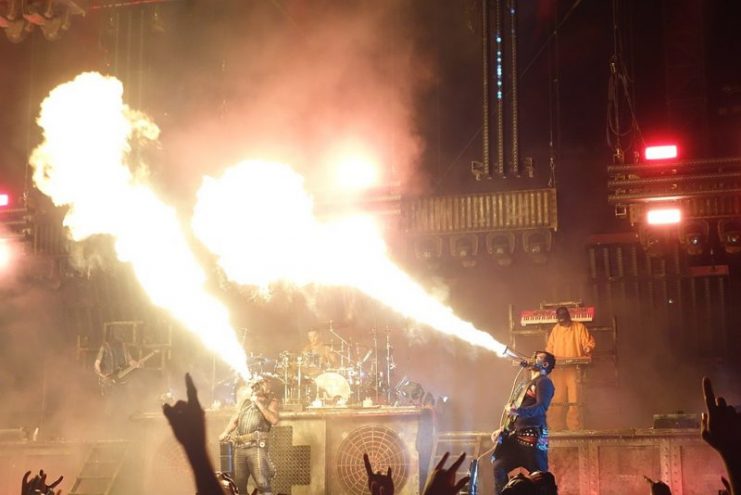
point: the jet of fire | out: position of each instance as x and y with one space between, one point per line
82 164
276 237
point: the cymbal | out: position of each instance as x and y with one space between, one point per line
258 359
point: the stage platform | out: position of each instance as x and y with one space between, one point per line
610 462
320 452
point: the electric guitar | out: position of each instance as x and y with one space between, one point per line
508 418
118 377
502 439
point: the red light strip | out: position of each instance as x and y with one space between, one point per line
663 152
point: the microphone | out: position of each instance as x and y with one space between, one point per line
523 361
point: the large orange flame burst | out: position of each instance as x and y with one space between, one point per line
274 236
82 164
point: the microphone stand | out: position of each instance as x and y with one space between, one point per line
376 379
343 343
389 365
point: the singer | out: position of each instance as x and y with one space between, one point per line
248 431
528 442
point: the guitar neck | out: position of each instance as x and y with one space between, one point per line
122 374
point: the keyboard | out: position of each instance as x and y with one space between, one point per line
545 316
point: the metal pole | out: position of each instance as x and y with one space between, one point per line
485 103
499 89
514 101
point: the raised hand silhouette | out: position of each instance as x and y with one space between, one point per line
378 483
187 419
38 485
442 481
721 429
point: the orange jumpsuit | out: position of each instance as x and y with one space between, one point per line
567 341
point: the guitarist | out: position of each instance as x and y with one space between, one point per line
113 357
527 441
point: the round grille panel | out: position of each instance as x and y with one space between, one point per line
384 448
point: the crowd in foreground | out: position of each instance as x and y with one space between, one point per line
721 429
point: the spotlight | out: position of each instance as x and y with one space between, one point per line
729 233
537 245
663 216
465 248
53 28
13 22
661 152
501 246
355 166
694 237
52 17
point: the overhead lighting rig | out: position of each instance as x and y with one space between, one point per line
701 197
52 17
18 18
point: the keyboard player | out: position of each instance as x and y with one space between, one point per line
567 340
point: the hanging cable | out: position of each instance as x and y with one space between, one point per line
513 99
558 25
618 91
554 108
547 42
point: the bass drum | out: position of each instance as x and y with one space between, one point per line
332 388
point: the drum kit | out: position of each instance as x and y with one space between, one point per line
343 374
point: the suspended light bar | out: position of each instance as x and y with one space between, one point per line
663 152
664 216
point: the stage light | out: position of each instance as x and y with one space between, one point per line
4 200
661 152
465 248
17 30
537 245
354 166
729 233
501 246
54 26
694 237
663 216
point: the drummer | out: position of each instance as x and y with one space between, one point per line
318 350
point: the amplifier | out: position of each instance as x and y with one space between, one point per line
676 420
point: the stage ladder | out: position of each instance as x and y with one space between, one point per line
100 469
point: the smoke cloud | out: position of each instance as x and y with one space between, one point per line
307 86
